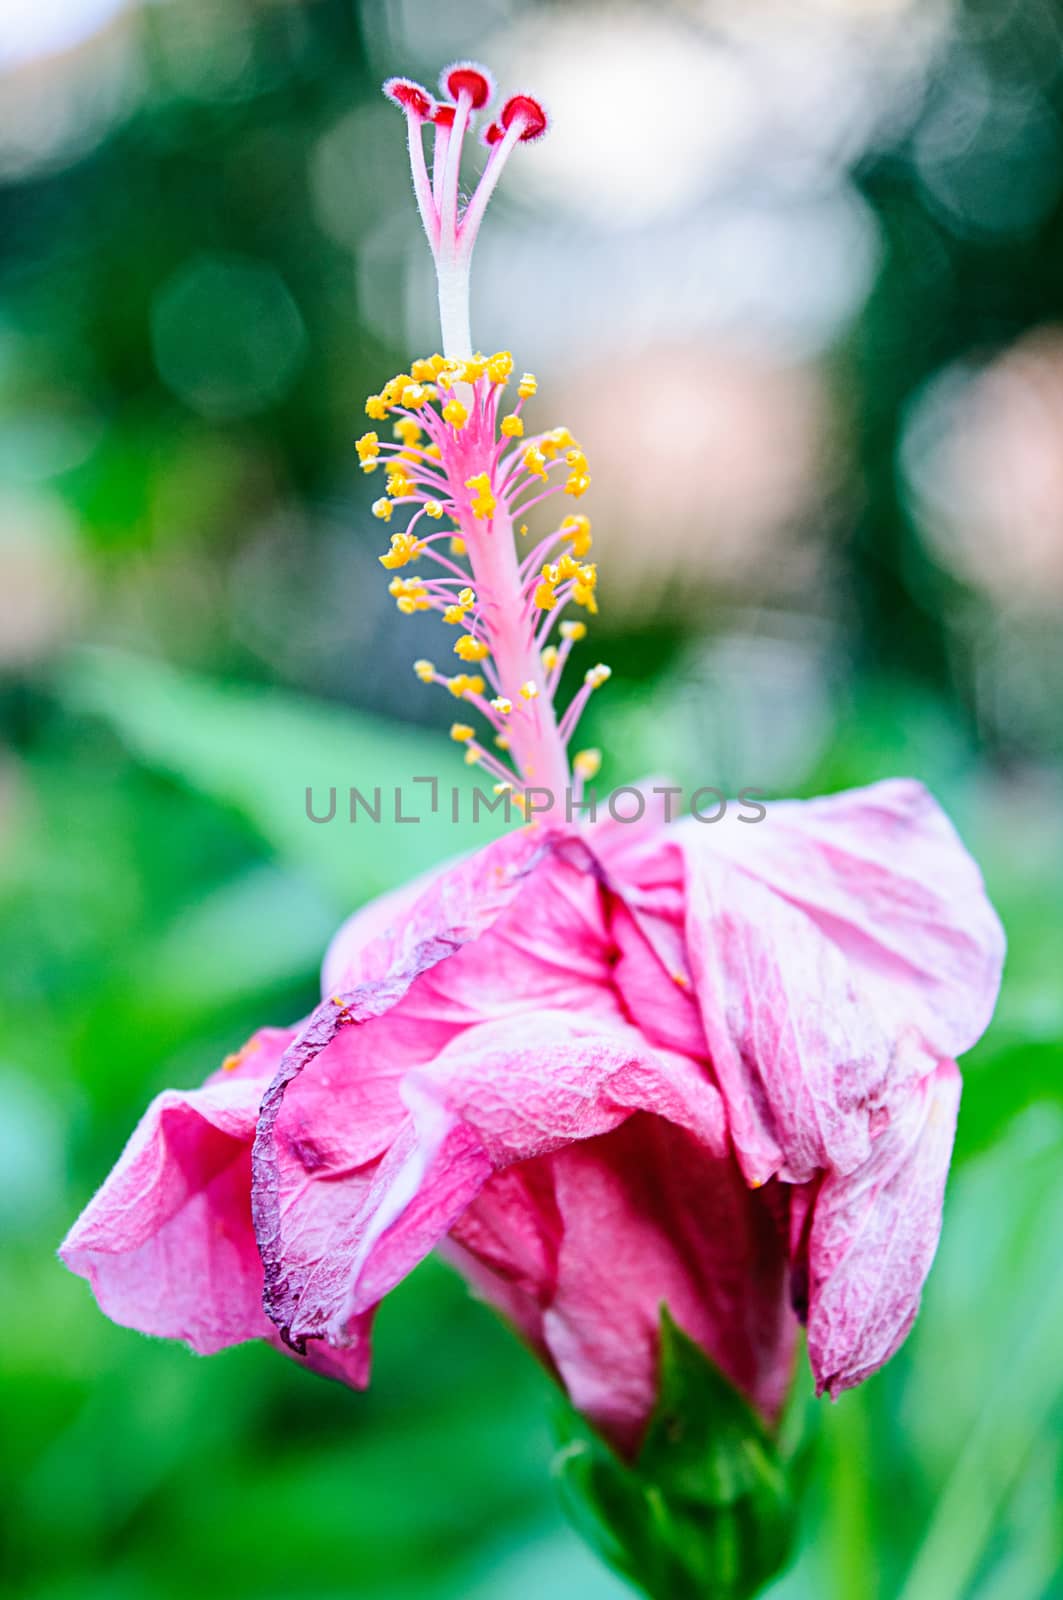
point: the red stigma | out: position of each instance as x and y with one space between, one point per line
410 96
529 111
492 134
443 116
467 77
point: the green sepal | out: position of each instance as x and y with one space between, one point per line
706 1511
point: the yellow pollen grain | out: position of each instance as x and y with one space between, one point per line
512 427
461 732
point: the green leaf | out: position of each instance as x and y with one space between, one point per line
257 750
706 1509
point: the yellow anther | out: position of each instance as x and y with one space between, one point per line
410 594
545 598
512 427
502 741
392 390
574 631
457 546
578 529
398 484
483 504
432 451
527 386
454 614
499 366
461 732
503 788
577 460
502 705
368 447
370 466
424 670
466 598
415 395
557 439
408 431
382 509
437 363
522 530
470 648
462 684
433 509
535 461
529 690
422 370
455 413
549 658
473 754
473 369
404 547
376 407
596 676
587 763
577 483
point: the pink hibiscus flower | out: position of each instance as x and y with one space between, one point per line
604 1068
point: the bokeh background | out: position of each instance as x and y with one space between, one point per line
794 274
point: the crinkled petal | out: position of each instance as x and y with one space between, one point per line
167 1242
501 1093
797 1048
837 950
650 1218
477 939
581 1248
873 1237
884 875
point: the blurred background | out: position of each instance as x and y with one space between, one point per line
794 274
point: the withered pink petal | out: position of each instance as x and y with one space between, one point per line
884 875
167 1243
416 982
798 1051
501 1092
873 1237
581 1249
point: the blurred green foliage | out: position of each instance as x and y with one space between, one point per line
163 893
